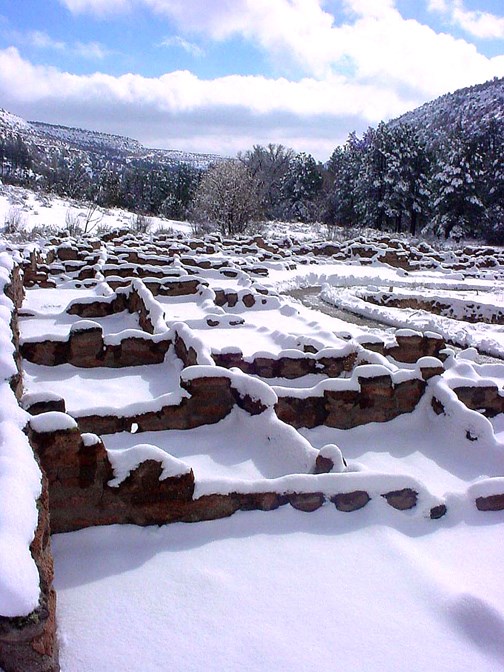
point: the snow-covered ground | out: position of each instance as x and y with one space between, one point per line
33 210
377 589
285 590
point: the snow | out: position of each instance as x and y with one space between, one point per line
433 449
41 211
59 326
283 590
52 421
333 452
84 389
243 384
238 448
487 338
126 461
20 481
376 589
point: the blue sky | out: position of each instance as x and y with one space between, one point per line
223 75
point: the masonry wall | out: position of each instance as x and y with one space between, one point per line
29 644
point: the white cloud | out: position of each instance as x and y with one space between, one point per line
90 50
376 9
437 6
371 64
34 38
181 43
181 91
479 24
99 7
41 40
374 39
224 114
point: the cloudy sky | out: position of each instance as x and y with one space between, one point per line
222 75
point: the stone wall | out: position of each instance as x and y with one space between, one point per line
471 311
378 399
487 399
80 493
85 347
209 400
289 367
29 643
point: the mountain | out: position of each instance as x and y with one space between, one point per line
472 110
92 148
109 169
119 147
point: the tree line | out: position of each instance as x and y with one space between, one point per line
390 179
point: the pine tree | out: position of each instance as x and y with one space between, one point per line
343 169
457 203
301 187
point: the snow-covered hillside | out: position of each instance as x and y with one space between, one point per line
91 147
471 109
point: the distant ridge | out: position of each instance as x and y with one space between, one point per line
94 147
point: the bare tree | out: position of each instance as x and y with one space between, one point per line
82 223
227 197
269 166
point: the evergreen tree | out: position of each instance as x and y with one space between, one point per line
301 188
406 177
458 207
343 169
492 181
371 185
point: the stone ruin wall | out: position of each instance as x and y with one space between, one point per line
29 644
76 478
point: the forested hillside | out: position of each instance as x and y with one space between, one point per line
440 167
438 170
110 170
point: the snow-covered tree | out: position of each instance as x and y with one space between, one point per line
342 170
371 186
492 183
407 178
457 203
301 188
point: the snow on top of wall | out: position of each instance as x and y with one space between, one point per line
125 461
85 325
52 421
89 439
486 338
486 487
374 483
468 425
362 371
333 452
30 398
244 384
20 482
